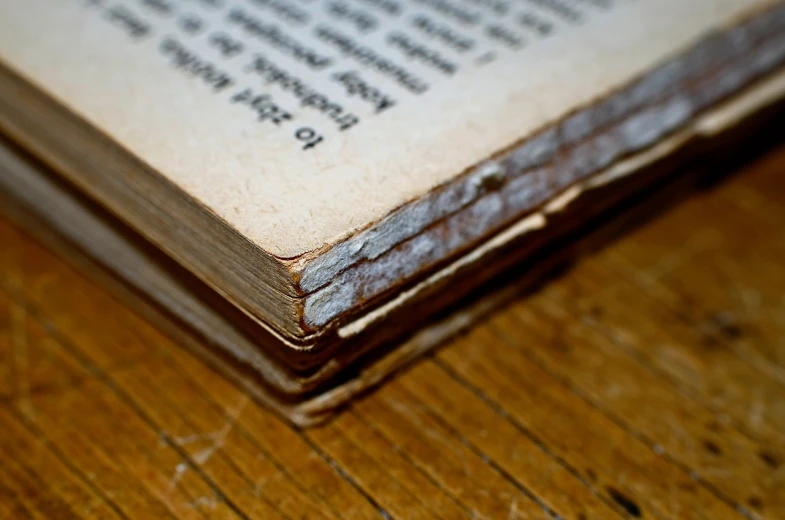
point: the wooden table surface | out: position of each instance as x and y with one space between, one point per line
648 381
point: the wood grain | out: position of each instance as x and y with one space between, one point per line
648 381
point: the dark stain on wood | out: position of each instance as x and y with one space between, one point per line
770 460
712 447
755 503
625 502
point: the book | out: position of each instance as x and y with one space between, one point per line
309 185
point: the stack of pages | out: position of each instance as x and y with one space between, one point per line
309 186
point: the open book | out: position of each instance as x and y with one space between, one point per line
306 183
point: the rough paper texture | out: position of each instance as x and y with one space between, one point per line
301 122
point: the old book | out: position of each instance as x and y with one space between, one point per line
306 185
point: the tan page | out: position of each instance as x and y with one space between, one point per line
299 122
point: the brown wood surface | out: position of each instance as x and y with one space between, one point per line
646 381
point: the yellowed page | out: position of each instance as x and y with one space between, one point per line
299 122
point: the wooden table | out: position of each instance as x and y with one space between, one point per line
647 381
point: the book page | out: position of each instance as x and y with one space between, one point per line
299 122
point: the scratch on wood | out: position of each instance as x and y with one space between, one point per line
21 359
217 437
756 410
207 502
680 256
